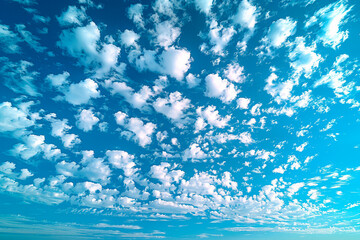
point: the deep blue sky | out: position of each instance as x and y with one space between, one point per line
179 119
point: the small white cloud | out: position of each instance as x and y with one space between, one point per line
212 117
86 120
279 32
330 19
219 37
12 118
72 16
9 40
192 81
166 33
204 5
220 88
129 38
135 12
234 72
25 173
122 160
142 132
304 59
173 107
246 15
243 103
194 152
81 93
58 79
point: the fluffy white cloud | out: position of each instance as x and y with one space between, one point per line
204 5
172 62
18 77
122 160
220 88
234 72
86 120
25 173
246 15
166 33
135 12
279 90
212 117
142 132
72 16
220 37
330 19
9 40
192 81
163 173
139 100
194 152
304 59
129 38
12 118
243 103
59 128
94 168
58 79
336 81
279 32
82 43
82 92
173 107
68 169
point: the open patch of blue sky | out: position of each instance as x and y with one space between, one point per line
179 119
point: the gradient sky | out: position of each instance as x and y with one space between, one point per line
179 119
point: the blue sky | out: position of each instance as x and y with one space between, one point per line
179 119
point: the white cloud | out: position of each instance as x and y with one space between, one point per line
243 103
192 81
72 16
94 168
135 12
59 128
139 100
12 118
212 117
234 72
166 33
246 15
82 43
294 188
279 32
122 160
82 92
68 169
58 79
194 152
173 107
129 38
172 62
220 37
220 88
336 81
279 90
29 38
330 19
9 40
18 77
86 120
304 59
204 5
143 132
25 173
163 173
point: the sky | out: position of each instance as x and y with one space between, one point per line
179 119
